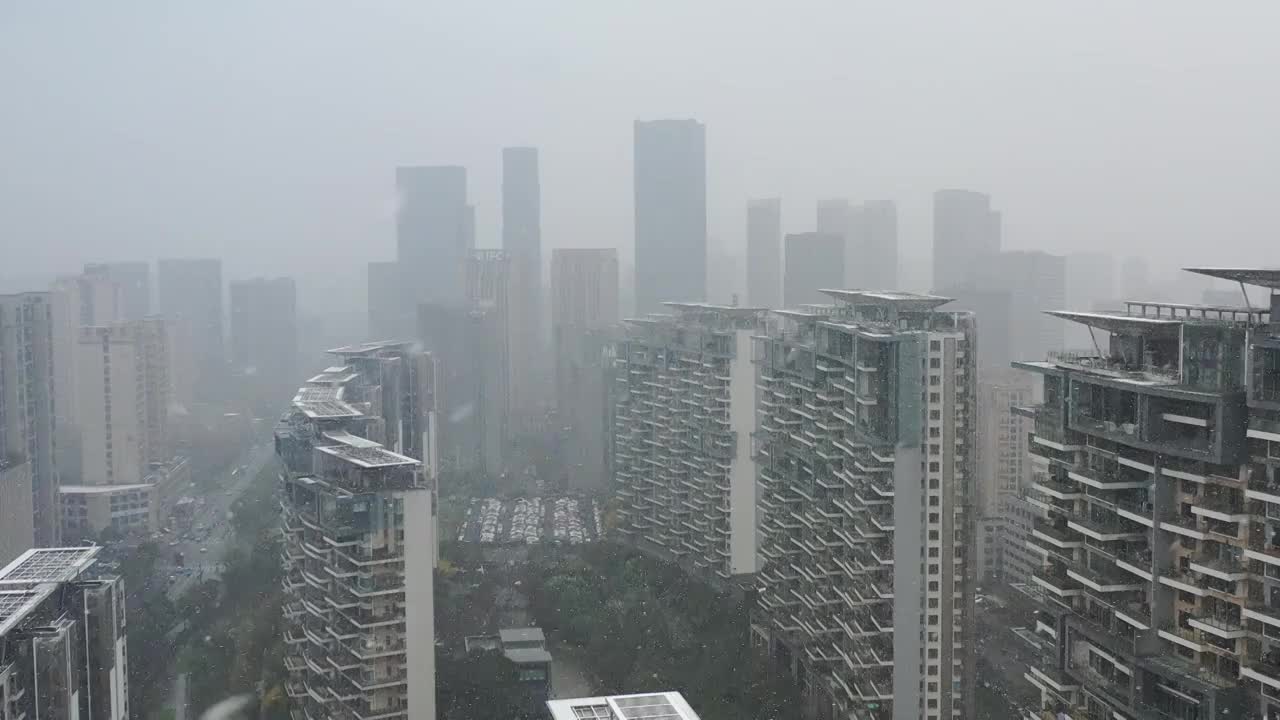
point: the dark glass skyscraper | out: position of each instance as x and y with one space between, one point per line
670 213
433 233
522 240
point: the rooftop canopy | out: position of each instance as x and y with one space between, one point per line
1121 323
48 565
1261 277
367 347
897 299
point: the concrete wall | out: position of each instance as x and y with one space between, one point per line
742 476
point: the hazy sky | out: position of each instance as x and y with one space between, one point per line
266 132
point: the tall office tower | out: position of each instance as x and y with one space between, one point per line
865 459
522 240
1091 284
63 639
358 523
389 314
190 293
1154 460
832 216
434 233
134 282
659 706
128 473
966 235
671 213
91 298
1036 282
1135 278
584 315
264 335
28 474
871 251
489 284
814 262
1002 467
684 407
764 253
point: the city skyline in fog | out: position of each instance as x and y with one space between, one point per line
268 135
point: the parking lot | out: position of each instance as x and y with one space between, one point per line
562 519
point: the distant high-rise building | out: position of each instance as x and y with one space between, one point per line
1091 280
864 452
1135 279
670 213
389 313
992 308
128 473
871 249
724 276
358 528
966 235
134 282
832 217
191 301
264 335
1001 463
814 262
434 233
684 475
1036 283
522 241
62 637
584 306
764 253
28 472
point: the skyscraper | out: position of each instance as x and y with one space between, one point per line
966 235
1001 467
584 307
28 474
434 233
134 282
814 262
670 213
764 253
522 240
683 474
1036 283
191 301
358 527
864 451
871 250
832 217
63 637
1135 279
264 335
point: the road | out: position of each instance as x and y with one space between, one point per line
213 515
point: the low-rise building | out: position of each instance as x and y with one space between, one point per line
648 706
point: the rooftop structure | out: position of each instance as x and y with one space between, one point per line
863 450
1153 463
48 565
649 706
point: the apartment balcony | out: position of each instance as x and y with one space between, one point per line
1107 530
1103 579
1265 670
1059 489
1109 481
1136 561
1221 626
1058 536
1222 508
1186 637
1139 511
1056 581
1136 614
1222 566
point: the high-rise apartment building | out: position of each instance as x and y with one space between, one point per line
1002 467
865 458
128 473
358 523
28 470
522 241
134 282
764 253
966 236
434 233
584 318
190 293
1154 460
814 262
670 213
1036 281
684 405
63 638
264 335
833 216
871 250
